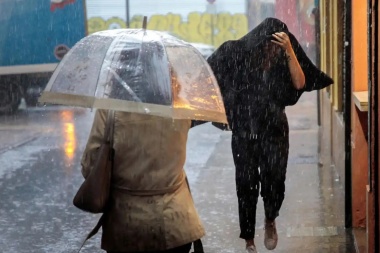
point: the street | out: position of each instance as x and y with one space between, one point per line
40 152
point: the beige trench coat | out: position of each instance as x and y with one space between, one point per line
151 206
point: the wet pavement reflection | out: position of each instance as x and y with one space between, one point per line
38 180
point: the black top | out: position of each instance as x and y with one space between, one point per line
254 77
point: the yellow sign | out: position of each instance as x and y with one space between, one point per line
199 27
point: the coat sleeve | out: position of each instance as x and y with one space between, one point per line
94 141
315 79
223 63
219 63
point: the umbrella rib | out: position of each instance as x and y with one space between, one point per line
125 85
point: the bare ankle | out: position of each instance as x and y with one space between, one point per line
250 242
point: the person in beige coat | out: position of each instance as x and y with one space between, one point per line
151 208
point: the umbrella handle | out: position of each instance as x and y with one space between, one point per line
145 20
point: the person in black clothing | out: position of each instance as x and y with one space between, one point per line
259 75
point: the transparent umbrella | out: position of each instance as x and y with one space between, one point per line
137 70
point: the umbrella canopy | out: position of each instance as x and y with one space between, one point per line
137 70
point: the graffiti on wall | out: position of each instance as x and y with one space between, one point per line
198 27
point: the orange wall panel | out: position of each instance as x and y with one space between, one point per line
359 46
359 119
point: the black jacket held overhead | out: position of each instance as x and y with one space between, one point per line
255 80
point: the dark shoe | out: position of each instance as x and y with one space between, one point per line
271 237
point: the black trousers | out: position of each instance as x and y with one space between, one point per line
259 159
182 249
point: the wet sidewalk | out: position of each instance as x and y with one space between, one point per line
312 215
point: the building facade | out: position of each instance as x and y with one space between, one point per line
349 110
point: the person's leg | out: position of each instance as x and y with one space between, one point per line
181 249
247 184
273 173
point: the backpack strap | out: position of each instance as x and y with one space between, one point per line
93 232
